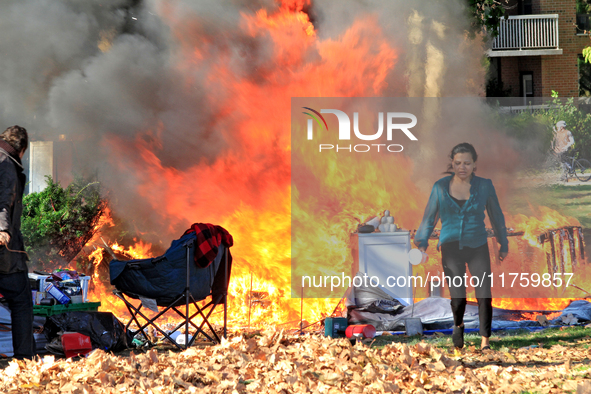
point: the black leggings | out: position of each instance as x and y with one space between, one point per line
454 266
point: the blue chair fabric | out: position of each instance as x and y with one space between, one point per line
164 278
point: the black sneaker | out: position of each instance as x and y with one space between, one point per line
458 337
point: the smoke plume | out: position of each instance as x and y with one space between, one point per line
181 108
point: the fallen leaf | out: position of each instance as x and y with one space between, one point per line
584 387
543 320
153 356
569 319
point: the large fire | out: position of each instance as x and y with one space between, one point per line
247 189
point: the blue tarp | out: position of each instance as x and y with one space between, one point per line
435 314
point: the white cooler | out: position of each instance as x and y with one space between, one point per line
383 255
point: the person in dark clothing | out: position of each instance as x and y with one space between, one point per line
14 279
460 200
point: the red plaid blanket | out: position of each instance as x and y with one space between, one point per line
209 238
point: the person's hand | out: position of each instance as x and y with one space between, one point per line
503 255
423 249
4 238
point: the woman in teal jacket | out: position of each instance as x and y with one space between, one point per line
460 200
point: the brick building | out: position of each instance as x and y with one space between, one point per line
539 48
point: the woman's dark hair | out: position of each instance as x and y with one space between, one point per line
464 147
17 137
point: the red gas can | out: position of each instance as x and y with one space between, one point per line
362 330
76 344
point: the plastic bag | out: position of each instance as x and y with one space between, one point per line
106 332
61 274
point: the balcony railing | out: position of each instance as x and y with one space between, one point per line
527 32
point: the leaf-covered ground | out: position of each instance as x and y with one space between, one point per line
274 362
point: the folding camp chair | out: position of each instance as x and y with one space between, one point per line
173 282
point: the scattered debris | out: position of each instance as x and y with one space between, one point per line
569 319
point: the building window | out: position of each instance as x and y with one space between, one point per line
494 84
584 77
525 7
583 16
527 84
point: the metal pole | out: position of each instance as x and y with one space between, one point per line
338 304
187 300
556 30
226 251
302 312
249 301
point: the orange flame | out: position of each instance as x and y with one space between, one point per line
545 219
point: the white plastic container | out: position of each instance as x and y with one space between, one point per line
416 257
181 339
84 282
41 279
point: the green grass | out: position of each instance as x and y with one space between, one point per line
543 338
572 201
500 340
582 368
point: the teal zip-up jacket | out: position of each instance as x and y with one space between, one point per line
465 224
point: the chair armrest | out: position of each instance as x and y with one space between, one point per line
138 265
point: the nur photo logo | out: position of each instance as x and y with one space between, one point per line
392 120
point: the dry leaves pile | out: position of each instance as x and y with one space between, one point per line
277 363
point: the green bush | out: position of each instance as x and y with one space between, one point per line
536 126
58 222
577 121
